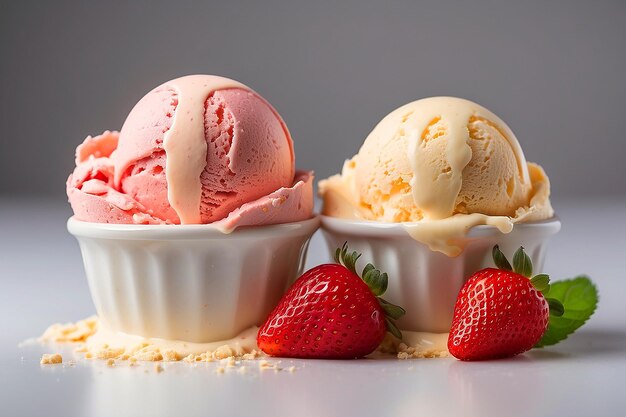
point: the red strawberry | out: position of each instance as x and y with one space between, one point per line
501 312
330 312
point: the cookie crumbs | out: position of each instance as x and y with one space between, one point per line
110 362
51 359
409 352
71 332
109 353
171 355
78 334
291 369
251 356
220 370
223 352
267 365
158 368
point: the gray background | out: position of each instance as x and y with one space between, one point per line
553 70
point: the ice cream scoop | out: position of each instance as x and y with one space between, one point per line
197 149
441 165
435 186
198 158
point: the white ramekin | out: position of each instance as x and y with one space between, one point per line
424 282
189 282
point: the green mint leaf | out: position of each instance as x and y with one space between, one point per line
579 297
522 263
541 282
500 260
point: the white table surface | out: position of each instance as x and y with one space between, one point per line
42 281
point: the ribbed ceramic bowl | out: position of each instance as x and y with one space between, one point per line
424 282
189 282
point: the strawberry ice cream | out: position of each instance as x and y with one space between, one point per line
198 149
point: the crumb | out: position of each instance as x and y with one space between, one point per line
87 340
158 368
291 369
148 355
111 362
223 352
427 354
71 332
220 370
51 359
109 353
266 365
250 356
171 355
242 369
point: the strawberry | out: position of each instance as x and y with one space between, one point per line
331 312
501 312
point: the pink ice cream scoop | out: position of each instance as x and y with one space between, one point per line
197 149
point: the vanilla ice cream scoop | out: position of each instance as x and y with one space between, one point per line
445 164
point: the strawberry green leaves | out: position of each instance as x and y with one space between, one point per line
541 282
571 302
556 307
523 265
347 259
393 312
500 259
579 299
376 281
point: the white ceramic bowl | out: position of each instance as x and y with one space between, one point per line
189 282
424 282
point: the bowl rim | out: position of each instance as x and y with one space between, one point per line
81 228
373 228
